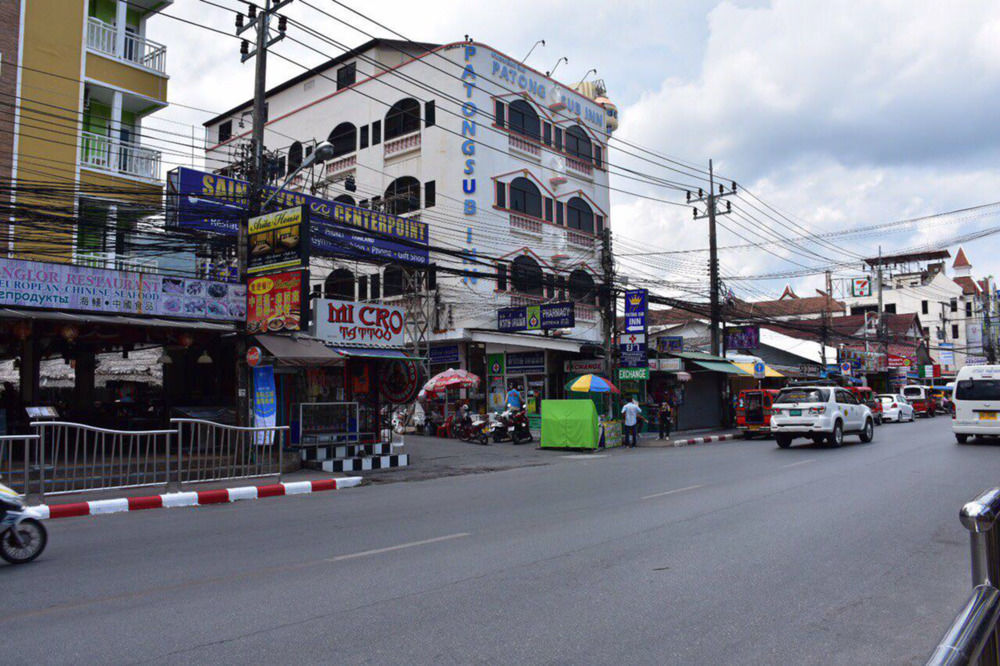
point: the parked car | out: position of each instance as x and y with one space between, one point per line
753 411
821 413
867 396
921 399
895 408
977 402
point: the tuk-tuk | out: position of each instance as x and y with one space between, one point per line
867 396
753 412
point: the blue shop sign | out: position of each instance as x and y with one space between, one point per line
447 355
533 361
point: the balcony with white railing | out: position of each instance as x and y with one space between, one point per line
402 145
525 225
580 239
524 145
131 47
579 167
585 312
119 157
341 165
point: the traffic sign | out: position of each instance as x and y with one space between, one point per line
845 368
759 370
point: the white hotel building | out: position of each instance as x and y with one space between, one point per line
502 163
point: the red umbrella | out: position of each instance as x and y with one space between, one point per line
450 378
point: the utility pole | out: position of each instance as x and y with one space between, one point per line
259 20
711 200
608 313
824 327
883 337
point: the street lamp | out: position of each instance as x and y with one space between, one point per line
323 152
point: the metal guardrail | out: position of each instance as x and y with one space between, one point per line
64 457
972 637
18 455
209 451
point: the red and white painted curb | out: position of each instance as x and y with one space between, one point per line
196 498
704 440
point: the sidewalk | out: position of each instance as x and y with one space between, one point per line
690 437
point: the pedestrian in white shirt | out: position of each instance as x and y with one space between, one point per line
632 412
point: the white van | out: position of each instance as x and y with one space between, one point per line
977 402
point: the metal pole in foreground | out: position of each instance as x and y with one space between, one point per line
980 517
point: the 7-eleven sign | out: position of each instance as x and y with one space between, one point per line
861 287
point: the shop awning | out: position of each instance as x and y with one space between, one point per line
120 320
374 352
299 351
748 368
722 366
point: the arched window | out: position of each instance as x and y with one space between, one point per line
579 216
294 157
344 138
525 197
521 118
393 281
526 275
345 198
402 118
581 285
578 143
402 195
339 284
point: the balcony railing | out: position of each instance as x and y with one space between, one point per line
580 167
340 165
586 312
124 157
579 239
402 145
136 49
523 145
525 225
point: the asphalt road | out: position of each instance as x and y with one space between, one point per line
727 553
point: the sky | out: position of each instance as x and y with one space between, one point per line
829 116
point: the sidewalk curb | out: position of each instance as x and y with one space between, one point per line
705 440
195 498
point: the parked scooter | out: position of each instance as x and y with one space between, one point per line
22 536
500 428
520 431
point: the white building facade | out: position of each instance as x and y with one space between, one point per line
505 166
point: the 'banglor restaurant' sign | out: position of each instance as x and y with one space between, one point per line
36 284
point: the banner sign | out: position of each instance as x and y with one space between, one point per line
265 403
214 203
636 303
367 324
632 351
583 366
495 366
666 364
898 361
36 284
277 302
626 374
447 355
278 240
632 343
861 287
533 361
742 337
947 354
536 317
670 343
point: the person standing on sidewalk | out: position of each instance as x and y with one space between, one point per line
666 417
632 412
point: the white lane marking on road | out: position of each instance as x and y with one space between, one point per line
801 462
389 549
671 492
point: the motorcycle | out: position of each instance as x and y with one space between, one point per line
500 427
22 536
520 431
471 430
480 432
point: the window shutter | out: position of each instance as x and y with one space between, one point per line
376 132
430 194
498 113
599 223
550 287
547 134
362 287
363 133
548 209
376 282
429 114
501 194
559 213
597 156
559 138
502 277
